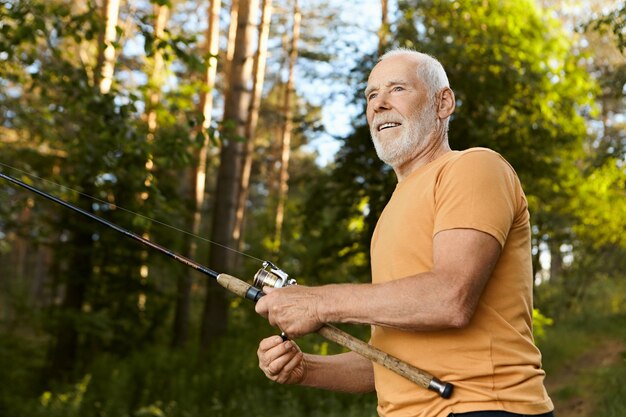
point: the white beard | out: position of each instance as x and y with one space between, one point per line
413 138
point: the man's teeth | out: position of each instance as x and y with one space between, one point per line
386 125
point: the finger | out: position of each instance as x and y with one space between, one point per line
272 363
268 290
261 307
273 354
286 374
270 342
276 366
293 362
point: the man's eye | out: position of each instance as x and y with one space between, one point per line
372 96
398 88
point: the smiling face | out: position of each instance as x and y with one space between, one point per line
400 114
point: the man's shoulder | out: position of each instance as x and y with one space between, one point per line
479 158
479 152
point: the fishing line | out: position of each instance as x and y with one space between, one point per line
115 206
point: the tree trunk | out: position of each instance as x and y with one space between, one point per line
383 32
197 178
106 50
230 46
258 72
63 354
157 75
283 186
237 103
556 262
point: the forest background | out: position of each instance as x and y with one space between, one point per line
243 123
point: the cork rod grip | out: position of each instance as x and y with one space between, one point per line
413 374
332 333
344 339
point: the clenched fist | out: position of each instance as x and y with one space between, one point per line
281 361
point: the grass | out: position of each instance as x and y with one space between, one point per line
573 352
158 382
611 384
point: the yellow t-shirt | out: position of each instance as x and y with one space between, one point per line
493 362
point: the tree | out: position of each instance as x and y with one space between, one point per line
67 131
285 143
383 31
106 47
236 108
64 352
592 192
613 21
197 174
258 72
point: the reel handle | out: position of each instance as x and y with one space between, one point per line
332 333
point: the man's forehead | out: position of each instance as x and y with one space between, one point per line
393 70
385 83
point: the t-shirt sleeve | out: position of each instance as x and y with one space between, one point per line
477 191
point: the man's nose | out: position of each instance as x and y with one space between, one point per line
380 102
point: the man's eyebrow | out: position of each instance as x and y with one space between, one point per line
369 89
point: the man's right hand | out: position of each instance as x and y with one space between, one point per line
281 361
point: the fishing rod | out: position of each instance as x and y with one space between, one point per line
269 275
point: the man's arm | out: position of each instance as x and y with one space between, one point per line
443 298
283 362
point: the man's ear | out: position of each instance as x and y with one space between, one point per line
446 103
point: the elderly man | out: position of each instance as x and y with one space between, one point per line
451 288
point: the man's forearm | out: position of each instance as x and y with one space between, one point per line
346 372
414 304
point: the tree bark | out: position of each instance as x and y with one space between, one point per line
197 177
230 45
106 50
258 72
156 74
283 186
63 353
237 103
383 32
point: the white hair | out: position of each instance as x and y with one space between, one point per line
430 71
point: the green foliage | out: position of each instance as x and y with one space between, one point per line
540 324
598 203
65 130
586 354
156 381
589 286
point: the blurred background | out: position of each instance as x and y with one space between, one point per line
242 122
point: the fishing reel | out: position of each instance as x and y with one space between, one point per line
272 276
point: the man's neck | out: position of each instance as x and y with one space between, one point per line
423 158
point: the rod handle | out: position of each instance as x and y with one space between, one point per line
332 333
239 287
410 372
